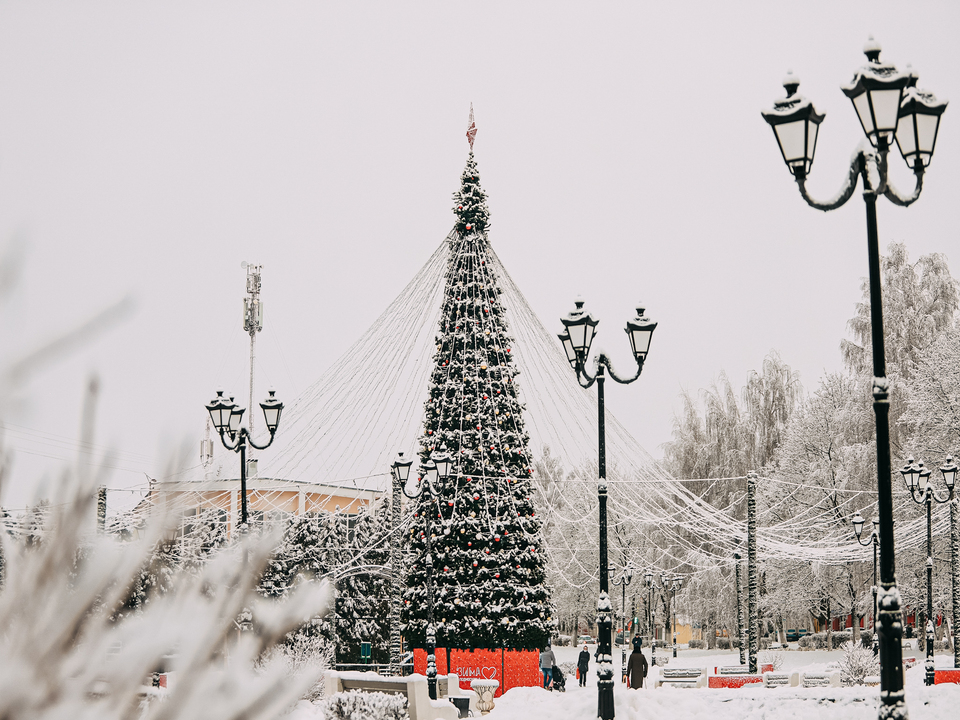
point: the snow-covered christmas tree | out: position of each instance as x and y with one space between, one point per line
489 588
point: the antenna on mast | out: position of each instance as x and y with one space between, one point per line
252 323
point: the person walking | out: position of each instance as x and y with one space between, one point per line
636 666
583 664
547 661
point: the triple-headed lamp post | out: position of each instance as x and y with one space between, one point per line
917 478
874 539
437 467
227 417
580 327
889 107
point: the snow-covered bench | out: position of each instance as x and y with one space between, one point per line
682 678
778 679
809 680
414 687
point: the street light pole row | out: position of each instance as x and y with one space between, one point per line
889 107
917 478
626 577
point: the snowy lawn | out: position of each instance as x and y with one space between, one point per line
936 703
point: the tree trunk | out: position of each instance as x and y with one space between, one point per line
829 627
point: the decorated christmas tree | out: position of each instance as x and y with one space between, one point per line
488 580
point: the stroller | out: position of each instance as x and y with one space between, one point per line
559 681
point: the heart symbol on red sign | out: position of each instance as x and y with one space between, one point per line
488 673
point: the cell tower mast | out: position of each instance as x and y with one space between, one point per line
252 322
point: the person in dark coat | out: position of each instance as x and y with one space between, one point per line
636 665
583 664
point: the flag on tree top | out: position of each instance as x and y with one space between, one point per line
471 129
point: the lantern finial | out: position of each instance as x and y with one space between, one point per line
872 49
791 83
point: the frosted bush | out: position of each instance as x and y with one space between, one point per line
68 651
770 657
361 705
303 653
857 664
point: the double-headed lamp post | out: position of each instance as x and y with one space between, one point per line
579 330
626 576
227 417
874 540
438 466
889 107
917 478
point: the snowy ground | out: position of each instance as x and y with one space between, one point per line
936 703
749 703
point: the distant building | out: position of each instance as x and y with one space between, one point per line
269 500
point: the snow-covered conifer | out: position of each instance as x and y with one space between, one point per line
489 574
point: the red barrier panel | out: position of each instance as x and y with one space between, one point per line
941 677
511 668
732 681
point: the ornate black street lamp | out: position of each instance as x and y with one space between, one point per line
579 330
874 540
651 616
889 106
917 478
438 466
676 583
227 417
399 473
626 576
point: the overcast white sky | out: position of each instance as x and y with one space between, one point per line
148 148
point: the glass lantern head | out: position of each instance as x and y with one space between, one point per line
430 476
910 474
924 477
271 411
568 348
920 113
858 522
876 92
640 331
582 328
220 409
236 419
443 461
401 468
949 472
795 124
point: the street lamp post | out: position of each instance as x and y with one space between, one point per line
577 336
651 617
438 466
917 478
676 582
874 540
399 473
227 416
626 576
889 107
